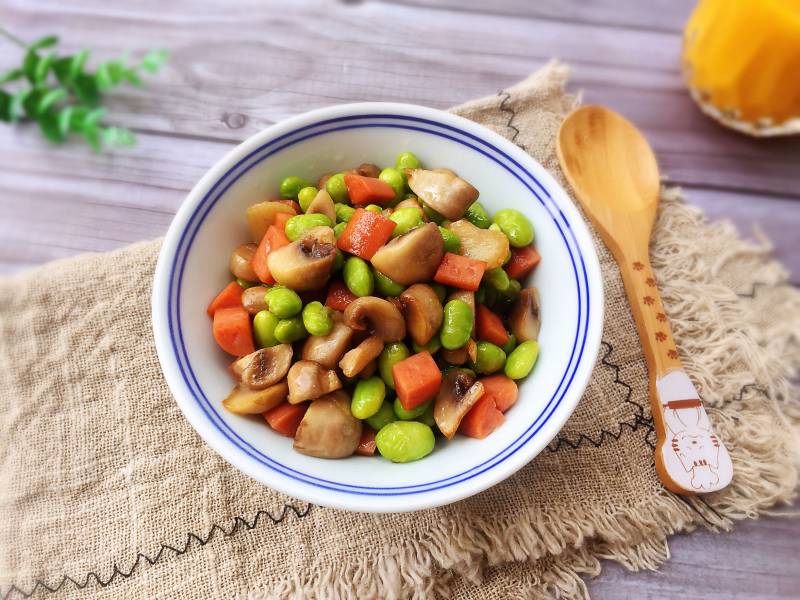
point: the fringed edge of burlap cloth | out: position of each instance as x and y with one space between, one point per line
530 558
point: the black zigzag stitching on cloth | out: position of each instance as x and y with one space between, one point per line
761 284
238 524
638 421
511 116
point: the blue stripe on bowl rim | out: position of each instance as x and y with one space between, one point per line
427 126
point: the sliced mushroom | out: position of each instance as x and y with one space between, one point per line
328 429
357 359
253 299
459 392
376 315
305 264
442 190
260 216
455 357
264 367
240 262
524 318
368 170
423 312
323 179
322 204
410 203
469 299
308 380
244 401
487 245
328 350
472 350
412 257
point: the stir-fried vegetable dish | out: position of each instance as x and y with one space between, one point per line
378 310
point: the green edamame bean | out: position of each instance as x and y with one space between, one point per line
513 289
407 219
306 196
478 216
431 214
383 417
498 279
409 415
343 212
336 188
521 360
374 208
317 318
407 160
367 397
244 284
358 276
451 241
283 302
456 325
291 186
490 358
395 179
495 227
405 441
509 346
516 226
427 417
337 231
299 224
290 330
441 291
391 355
264 329
432 346
338 261
385 286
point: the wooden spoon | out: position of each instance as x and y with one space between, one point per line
614 173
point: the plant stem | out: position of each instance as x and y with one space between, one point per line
10 36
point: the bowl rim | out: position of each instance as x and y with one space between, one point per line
349 499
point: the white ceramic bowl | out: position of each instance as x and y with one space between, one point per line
193 267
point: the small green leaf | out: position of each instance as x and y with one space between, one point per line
49 98
118 136
92 136
31 101
29 64
103 78
16 109
43 68
48 123
11 75
5 106
132 77
61 69
86 89
71 118
93 117
77 64
45 42
154 59
64 119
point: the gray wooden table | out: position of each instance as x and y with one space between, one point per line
238 67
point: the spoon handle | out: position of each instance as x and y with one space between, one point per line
690 458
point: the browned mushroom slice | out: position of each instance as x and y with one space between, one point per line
454 357
524 318
376 315
253 299
357 359
328 350
368 170
323 180
305 264
487 245
410 203
442 190
240 262
322 204
264 367
472 350
412 257
469 299
423 312
244 401
308 380
328 429
459 392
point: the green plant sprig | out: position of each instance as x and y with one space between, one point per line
63 97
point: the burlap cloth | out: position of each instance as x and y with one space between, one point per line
107 492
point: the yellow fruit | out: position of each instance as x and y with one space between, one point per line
741 61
